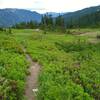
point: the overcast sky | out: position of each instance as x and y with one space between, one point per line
49 5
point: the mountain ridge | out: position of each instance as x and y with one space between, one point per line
81 12
12 16
9 16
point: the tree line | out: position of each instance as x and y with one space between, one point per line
48 23
86 21
59 23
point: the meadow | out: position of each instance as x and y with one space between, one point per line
70 64
13 68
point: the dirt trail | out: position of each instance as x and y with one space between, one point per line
32 79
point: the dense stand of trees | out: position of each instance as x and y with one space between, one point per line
60 23
6 30
54 24
48 23
28 25
88 20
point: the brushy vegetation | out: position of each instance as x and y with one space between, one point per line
70 65
13 68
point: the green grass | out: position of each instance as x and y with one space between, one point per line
13 68
69 64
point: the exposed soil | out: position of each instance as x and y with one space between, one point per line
32 79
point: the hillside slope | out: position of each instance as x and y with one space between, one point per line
87 20
9 17
77 14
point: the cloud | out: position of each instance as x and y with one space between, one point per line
0 2
19 3
69 5
49 5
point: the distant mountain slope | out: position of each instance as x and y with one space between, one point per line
87 20
54 14
77 14
9 17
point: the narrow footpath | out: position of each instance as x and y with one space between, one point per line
32 78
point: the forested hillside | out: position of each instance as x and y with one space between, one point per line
87 20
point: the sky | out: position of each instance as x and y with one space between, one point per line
43 6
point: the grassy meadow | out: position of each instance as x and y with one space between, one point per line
70 64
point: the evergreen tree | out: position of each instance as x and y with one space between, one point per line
26 25
60 24
47 22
